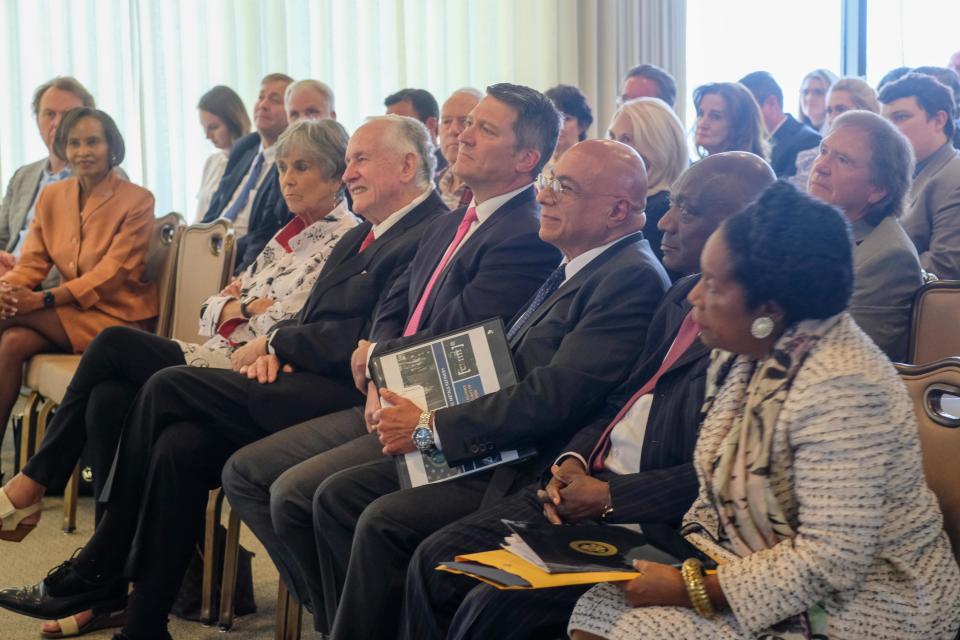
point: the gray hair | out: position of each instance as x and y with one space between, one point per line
470 91
861 94
409 135
310 83
891 160
323 141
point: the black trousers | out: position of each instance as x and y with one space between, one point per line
112 370
182 427
442 605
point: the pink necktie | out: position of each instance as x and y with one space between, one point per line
685 336
413 325
367 241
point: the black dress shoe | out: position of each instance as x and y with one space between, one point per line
63 592
122 636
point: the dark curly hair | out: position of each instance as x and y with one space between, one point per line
794 250
570 101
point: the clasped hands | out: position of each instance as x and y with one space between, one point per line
394 423
18 300
253 360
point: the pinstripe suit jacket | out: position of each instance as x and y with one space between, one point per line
665 485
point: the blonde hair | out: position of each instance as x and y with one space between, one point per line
659 139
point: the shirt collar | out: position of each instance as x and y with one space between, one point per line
269 155
51 176
577 264
394 218
489 206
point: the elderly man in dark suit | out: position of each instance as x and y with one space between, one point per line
187 421
573 343
788 136
632 463
478 262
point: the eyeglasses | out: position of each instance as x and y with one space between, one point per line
544 182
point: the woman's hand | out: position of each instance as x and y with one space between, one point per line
657 585
258 305
232 290
17 300
7 262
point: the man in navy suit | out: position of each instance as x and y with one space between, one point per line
644 473
478 262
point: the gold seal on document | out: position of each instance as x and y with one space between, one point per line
593 547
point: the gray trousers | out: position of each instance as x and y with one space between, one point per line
271 483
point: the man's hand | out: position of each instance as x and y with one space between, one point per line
371 413
658 585
7 262
397 423
265 369
358 365
572 495
248 353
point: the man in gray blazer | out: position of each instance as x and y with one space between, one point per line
864 169
51 101
922 108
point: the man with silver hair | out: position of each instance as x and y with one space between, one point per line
186 421
309 99
864 169
453 120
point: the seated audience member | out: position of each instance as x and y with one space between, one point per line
510 134
728 119
453 120
99 257
248 194
571 348
648 81
813 97
890 76
168 458
418 104
633 463
577 118
921 108
864 169
651 127
51 101
310 156
818 504
952 80
787 136
846 94
224 120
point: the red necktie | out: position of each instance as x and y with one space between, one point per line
685 336
367 241
413 325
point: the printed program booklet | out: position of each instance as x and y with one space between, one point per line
445 371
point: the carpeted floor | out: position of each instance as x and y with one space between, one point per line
29 561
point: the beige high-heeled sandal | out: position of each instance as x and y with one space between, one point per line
11 519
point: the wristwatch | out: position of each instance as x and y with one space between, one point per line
243 308
423 433
48 300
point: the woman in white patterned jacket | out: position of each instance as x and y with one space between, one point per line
812 492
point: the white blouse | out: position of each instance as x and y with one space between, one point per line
285 272
213 170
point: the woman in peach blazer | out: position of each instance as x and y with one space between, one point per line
94 228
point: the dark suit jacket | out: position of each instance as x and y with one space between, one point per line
665 485
494 273
790 139
574 350
269 210
338 313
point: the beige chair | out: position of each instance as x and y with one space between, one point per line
204 266
48 375
935 390
936 316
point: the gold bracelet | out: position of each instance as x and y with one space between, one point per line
692 572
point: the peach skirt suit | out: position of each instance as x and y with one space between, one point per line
99 252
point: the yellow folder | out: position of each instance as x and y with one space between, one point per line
538 579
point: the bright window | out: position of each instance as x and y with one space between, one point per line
910 34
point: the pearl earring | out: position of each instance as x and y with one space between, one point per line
762 327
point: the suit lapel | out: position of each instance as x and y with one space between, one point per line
102 194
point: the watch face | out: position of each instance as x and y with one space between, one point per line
423 438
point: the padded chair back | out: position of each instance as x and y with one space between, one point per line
935 390
161 262
936 317
204 265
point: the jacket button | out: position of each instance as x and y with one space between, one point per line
474 449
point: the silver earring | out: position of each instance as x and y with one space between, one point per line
762 327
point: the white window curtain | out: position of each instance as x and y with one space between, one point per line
149 61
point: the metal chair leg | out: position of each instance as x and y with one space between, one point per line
70 494
28 429
228 587
210 550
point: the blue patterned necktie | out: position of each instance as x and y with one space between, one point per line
552 284
248 186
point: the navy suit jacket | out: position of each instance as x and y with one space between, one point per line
494 273
790 139
268 212
338 313
665 485
576 348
